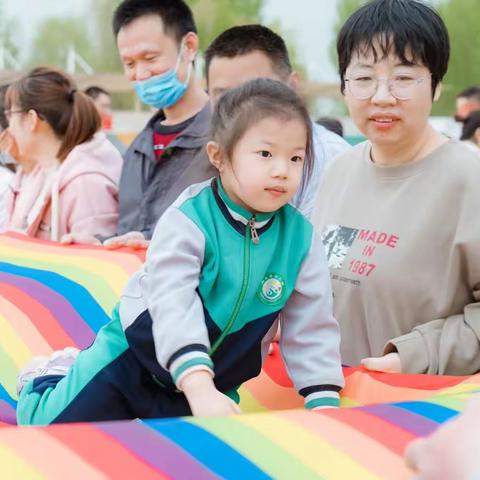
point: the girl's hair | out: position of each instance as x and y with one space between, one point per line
241 108
53 95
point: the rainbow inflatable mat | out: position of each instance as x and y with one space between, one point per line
52 296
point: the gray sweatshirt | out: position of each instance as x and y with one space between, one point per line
403 246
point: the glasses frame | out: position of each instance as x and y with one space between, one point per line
389 81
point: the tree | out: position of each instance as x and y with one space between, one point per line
215 16
345 9
55 36
106 57
8 27
461 19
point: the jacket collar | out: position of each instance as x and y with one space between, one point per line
194 136
236 215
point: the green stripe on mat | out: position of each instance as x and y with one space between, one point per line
257 447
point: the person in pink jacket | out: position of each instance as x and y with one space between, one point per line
72 187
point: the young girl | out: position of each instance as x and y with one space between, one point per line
70 182
226 258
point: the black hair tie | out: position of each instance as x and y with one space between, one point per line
71 94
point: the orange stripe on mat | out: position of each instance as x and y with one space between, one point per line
103 452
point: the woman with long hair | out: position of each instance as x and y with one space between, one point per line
72 186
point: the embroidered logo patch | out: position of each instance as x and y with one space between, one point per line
271 289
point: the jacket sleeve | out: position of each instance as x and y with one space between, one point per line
89 204
310 338
445 346
174 263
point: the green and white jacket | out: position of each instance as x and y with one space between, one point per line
215 285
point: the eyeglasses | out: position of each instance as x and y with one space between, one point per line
402 87
9 113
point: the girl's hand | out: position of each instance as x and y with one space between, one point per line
388 363
204 398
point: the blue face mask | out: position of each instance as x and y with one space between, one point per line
163 91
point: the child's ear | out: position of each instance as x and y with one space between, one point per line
215 155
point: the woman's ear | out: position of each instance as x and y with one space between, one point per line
215 155
32 120
438 92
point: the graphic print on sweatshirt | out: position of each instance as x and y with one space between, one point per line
353 250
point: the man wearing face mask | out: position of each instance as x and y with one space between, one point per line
157 43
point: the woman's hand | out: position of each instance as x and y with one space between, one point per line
204 398
388 363
80 238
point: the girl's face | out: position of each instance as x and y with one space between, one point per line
266 167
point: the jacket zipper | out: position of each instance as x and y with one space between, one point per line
251 235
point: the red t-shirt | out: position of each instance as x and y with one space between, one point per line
161 141
164 135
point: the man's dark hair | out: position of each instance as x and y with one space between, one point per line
472 93
176 15
410 29
331 124
94 92
470 126
246 39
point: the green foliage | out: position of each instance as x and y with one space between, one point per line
7 31
215 16
461 18
105 58
344 10
91 36
293 53
53 38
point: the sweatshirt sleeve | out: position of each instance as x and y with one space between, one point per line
310 338
445 346
174 262
90 205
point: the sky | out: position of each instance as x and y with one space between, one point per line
310 24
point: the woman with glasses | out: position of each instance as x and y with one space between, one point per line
72 186
400 213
